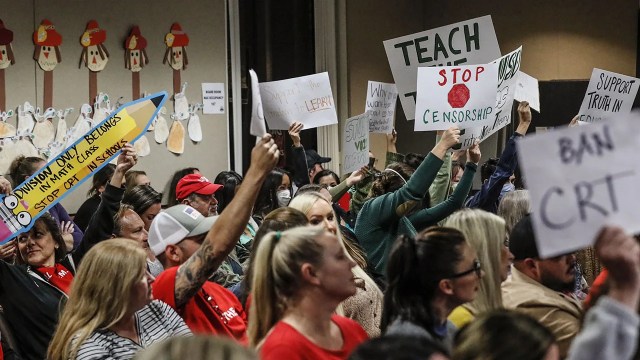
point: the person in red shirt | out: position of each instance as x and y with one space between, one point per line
301 275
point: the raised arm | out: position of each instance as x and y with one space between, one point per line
226 231
440 187
301 171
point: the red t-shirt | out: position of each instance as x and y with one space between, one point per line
58 275
285 342
213 310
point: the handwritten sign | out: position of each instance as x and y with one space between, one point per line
213 98
455 95
257 127
508 67
527 90
580 178
468 42
307 99
381 102
355 143
608 94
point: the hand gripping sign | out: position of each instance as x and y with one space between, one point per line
71 167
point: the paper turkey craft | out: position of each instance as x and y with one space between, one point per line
6 60
47 53
94 54
135 58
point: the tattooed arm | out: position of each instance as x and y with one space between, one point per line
226 231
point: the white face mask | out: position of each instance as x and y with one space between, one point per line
284 196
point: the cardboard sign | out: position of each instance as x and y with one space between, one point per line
355 143
468 42
580 178
75 164
213 98
257 128
608 94
307 99
527 90
508 67
381 102
455 95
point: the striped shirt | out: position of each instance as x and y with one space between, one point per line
155 322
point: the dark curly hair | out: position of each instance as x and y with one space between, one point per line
388 181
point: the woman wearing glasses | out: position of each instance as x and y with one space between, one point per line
429 276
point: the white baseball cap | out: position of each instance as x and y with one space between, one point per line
175 224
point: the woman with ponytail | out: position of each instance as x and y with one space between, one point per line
301 275
429 276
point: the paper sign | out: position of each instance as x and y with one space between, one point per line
258 127
455 95
381 102
75 164
468 42
527 90
580 178
355 143
608 94
508 66
213 98
307 99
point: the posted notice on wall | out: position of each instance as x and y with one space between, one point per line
257 128
608 94
381 103
527 90
213 98
580 178
355 143
307 99
468 42
455 95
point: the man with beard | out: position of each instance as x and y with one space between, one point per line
197 191
541 288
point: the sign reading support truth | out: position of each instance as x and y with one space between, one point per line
608 94
381 102
355 143
455 95
580 178
468 42
307 99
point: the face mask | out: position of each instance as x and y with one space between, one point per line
284 196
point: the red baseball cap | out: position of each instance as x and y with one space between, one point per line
195 183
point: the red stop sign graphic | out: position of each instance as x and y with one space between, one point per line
458 96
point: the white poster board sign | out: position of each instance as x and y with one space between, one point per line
455 95
608 94
257 128
580 178
307 99
508 67
213 98
468 42
381 103
527 90
355 143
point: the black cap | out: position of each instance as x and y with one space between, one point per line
314 158
522 241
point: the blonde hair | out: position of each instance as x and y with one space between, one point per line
276 280
513 207
94 302
198 347
486 233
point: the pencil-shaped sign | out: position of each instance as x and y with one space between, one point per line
95 149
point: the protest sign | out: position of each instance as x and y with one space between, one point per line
381 103
307 99
608 94
455 95
580 178
355 143
468 42
508 67
527 90
257 127
72 166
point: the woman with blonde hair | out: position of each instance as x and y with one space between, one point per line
365 306
301 275
110 312
486 233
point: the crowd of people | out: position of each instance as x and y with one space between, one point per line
404 262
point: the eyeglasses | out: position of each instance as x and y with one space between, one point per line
477 268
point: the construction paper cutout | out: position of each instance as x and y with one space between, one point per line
193 126
181 104
6 129
94 54
82 124
175 142
24 146
142 146
47 41
176 54
135 55
61 129
44 131
6 51
26 121
7 154
161 128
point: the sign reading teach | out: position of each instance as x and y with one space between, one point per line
307 99
468 42
580 178
608 94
